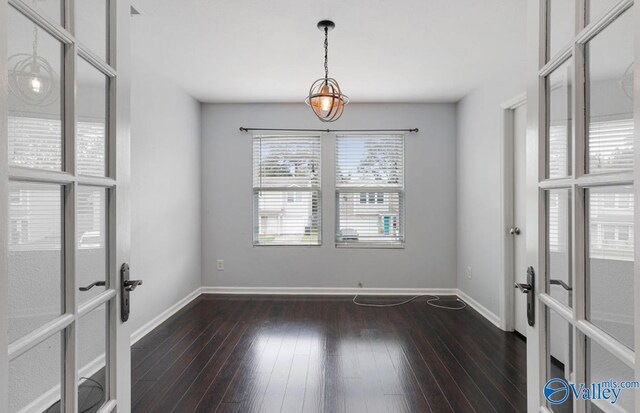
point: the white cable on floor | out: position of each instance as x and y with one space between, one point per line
429 302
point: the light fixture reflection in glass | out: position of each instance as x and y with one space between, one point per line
31 77
36 85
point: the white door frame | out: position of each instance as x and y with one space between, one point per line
507 305
120 156
4 217
117 183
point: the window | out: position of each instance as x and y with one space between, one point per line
286 190
371 197
609 232
610 212
370 190
610 145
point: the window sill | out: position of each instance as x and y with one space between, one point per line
369 245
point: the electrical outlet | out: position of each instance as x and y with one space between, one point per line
220 265
469 273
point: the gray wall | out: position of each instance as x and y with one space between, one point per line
479 171
165 190
429 259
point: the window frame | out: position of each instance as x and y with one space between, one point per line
289 191
377 192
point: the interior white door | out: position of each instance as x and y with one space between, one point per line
64 182
519 216
583 112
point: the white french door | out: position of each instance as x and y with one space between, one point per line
64 205
582 167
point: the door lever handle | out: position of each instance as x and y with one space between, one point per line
95 284
523 287
131 285
561 284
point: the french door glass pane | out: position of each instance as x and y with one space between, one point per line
602 366
560 24
558 128
49 8
609 97
92 120
35 377
92 359
91 22
559 357
559 245
610 262
596 8
91 224
35 256
34 101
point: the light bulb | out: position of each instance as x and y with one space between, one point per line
325 98
36 84
325 103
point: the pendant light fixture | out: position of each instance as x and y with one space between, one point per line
325 97
31 77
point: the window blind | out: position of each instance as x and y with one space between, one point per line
370 190
286 190
558 150
610 145
35 216
35 142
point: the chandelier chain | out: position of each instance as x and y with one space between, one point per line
35 40
326 53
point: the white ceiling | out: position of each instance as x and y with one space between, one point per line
380 51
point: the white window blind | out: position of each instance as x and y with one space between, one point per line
286 190
35 216
370 190
610 145
558 150
35 142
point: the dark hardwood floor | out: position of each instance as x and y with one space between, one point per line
324 354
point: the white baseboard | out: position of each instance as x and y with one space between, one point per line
327 291
163 316
489 315
43 402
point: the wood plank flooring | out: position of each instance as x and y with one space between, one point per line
324 354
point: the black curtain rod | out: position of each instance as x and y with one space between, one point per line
243 129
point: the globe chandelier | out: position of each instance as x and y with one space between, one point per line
325 97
